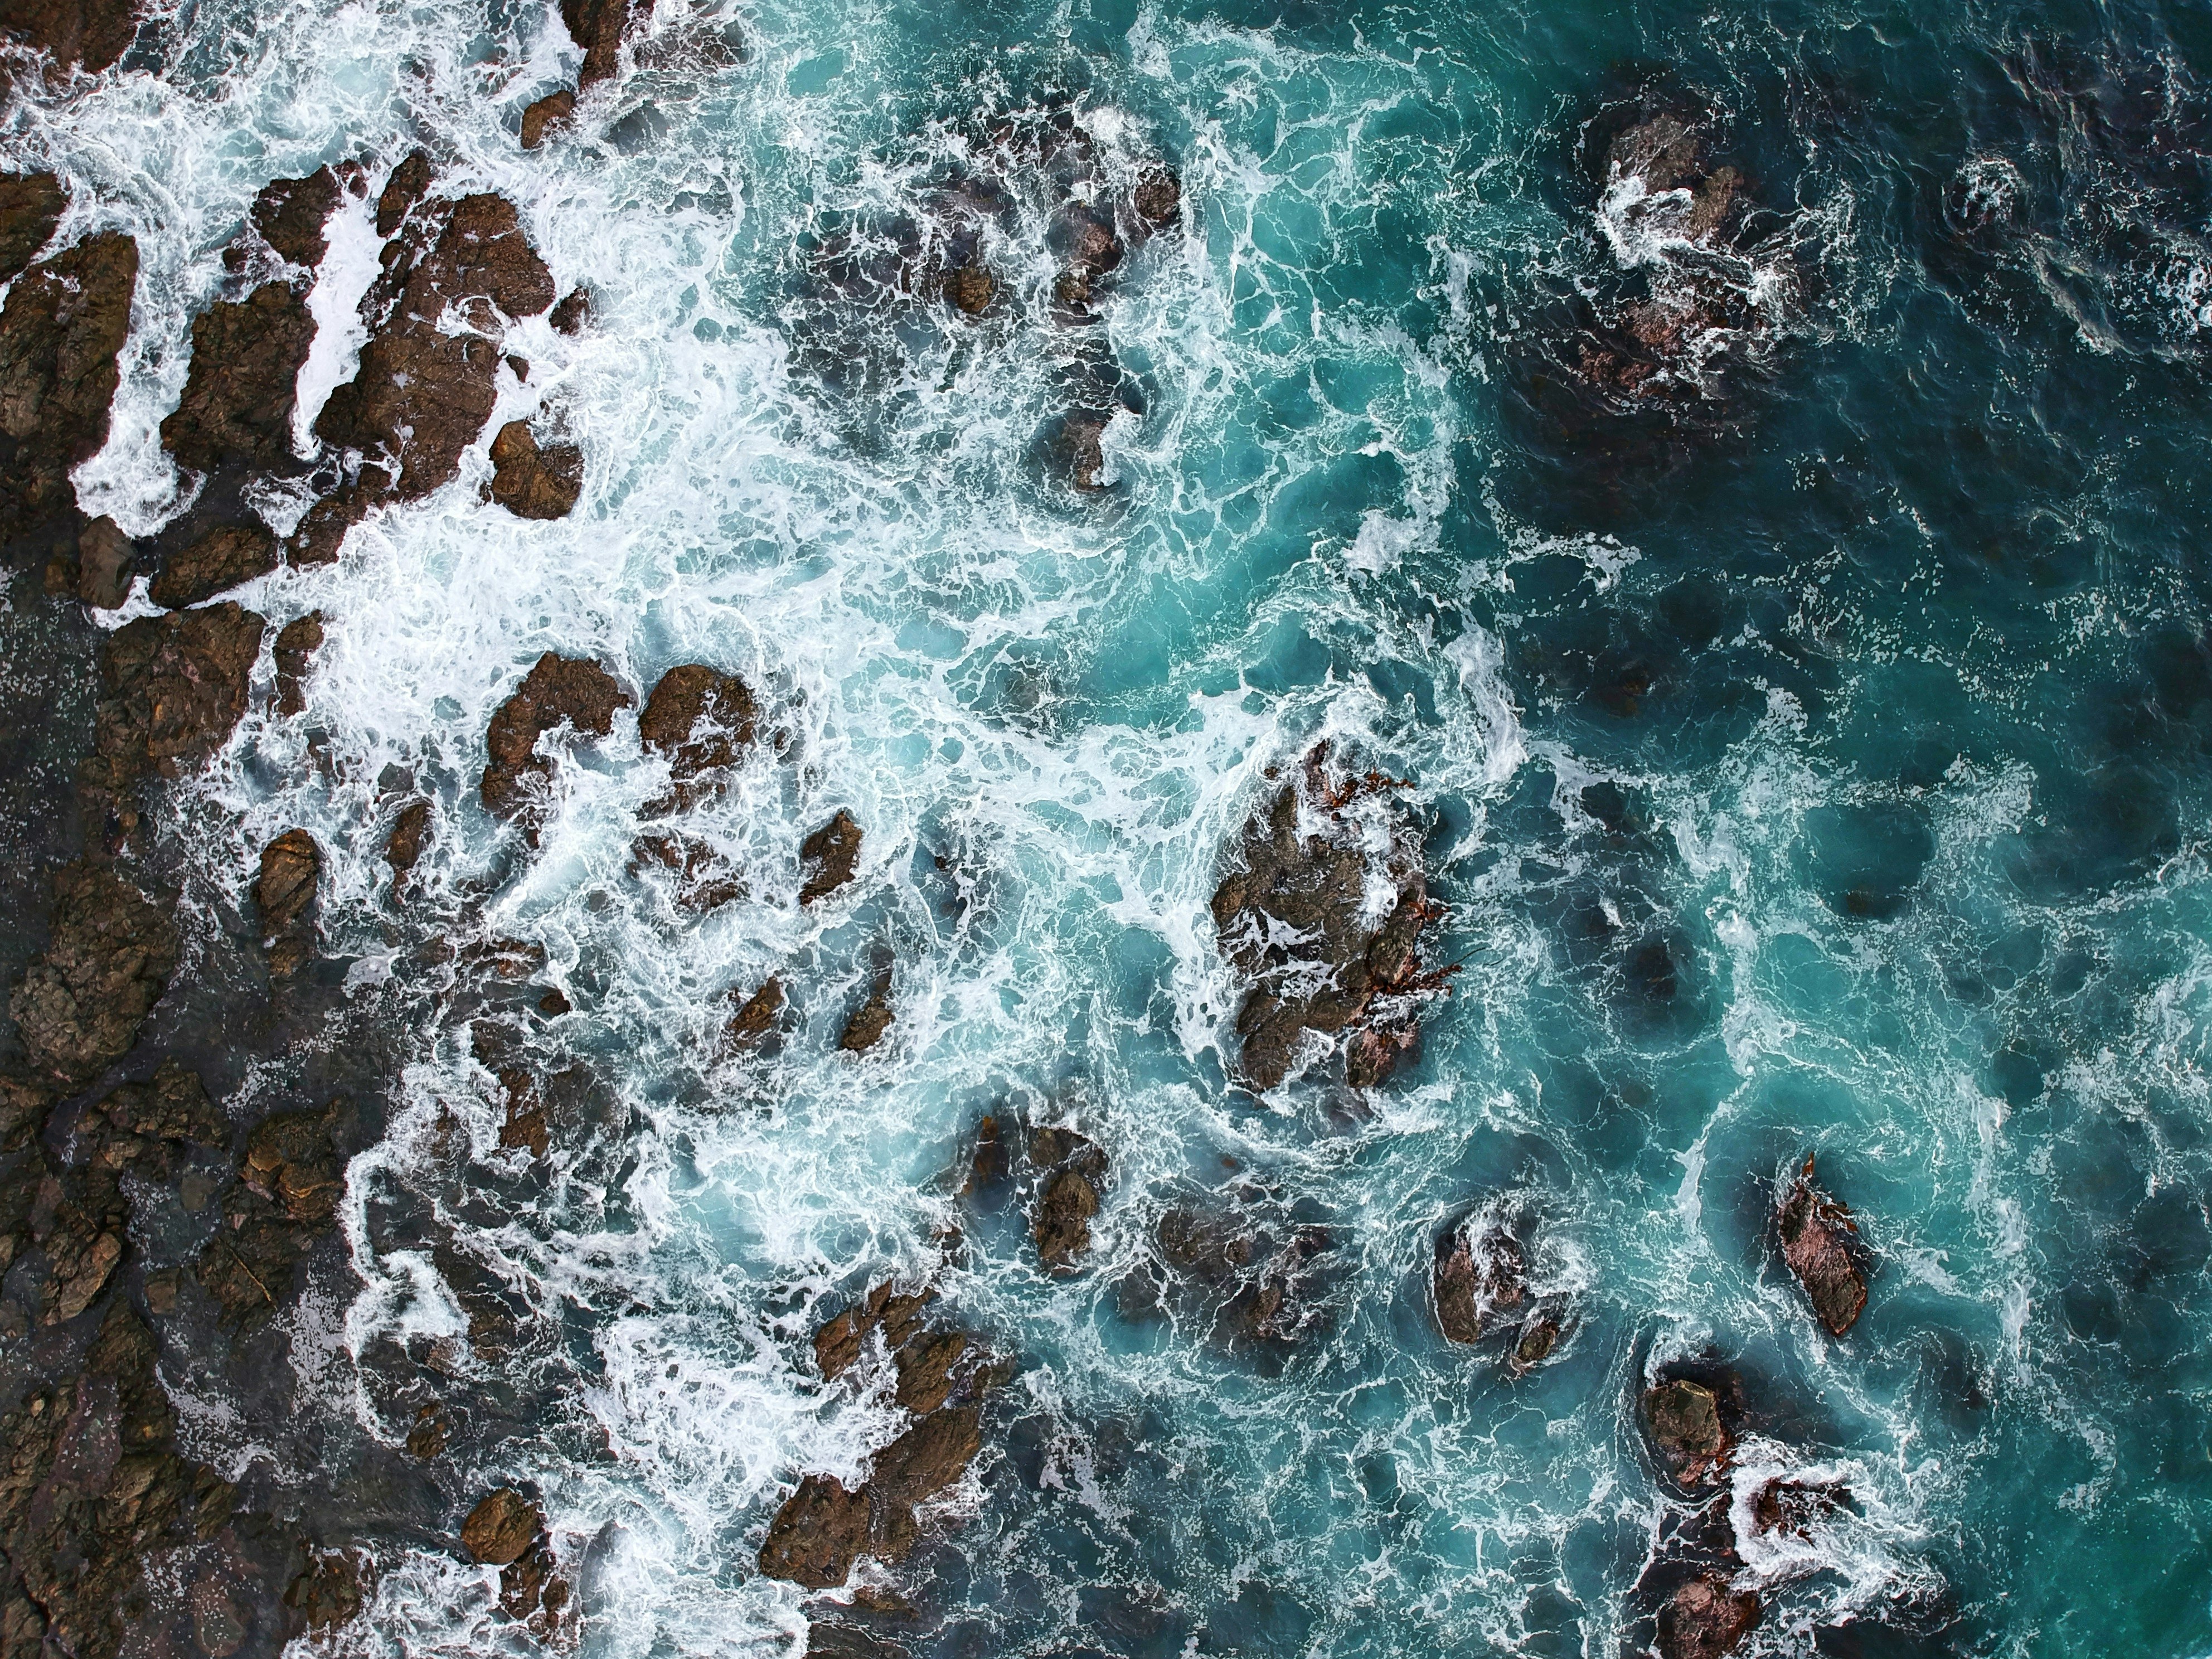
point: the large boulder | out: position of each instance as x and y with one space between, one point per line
557 691
236 411
291 215
285 1202
699 720
599 27
1820 1243
819 1532
297 641
834 853
284 894
1482 1273
1294 919
107 963
31 205
225 557
65 320
1706 1619
532 482
1685 1419
1069 1167
87 34
175 687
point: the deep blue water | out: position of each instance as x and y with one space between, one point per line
1816 764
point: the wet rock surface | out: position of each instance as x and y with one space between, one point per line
284 897
1685 1419
31 205
1706 1618
297 641
411 834
599 26
506 1530
865 1029
530 482
283 1205
1821 1243
557 691
1293 916
833 853
236 412
548 114
111 950
1070 1170
87 35
174 686
225 557
1245 1270
291 215
702 721
61 330
1482 1276
755 1015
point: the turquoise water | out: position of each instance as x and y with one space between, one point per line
1820 769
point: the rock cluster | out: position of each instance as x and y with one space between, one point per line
1819 1241
557 691
506 1530
107 963
175 687
284 1203
1480 1284
1294 919
63 326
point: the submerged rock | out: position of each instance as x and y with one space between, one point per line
834 851
1706 1618
1480 1273
175 686
1294 919
1683 1418
969 289
1158 198
1820 1241
226 557
286 1201
63 324
107 963
532 483
558 690
1250 1274
236 412
297 641
329 1593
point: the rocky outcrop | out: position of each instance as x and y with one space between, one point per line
107 963
1294 922
755 1015
1706 1619
1070 1169
1249 1272
225 557
1481 1275
1820 1243
284 895
411 834
532 483
573 314
297 641
833 853
1685 1420
823 1528
87 34
284 1203
969 289
330 1591
107 560
700 721
549 112
235 415
557 691
31 205
869 1022
175 687
291 215
507 1531
599 26
64 322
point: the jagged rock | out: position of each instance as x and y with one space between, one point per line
410 833
422 394
1079 446
756 1015
1706 1619
106 964
571 316
297 641
139 1126
321 531
918 1466
106 560
868 1024
500 1527
833 850
291 867
1072 1166
31 205
291 1181
1480 1273
817 1534
330 1591
290 215
1667 155
700 719
1540 1335
408 184
1820 1241
175 686
599 27
1792 1506
64 322
1254 1278
1158 196
532 483
704 881
290 1161
1684 1420
236 411
225 557
839 1343
87 35
1294 922
968 289
551 110
557 690
989 1166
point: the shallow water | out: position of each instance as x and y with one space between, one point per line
1893 660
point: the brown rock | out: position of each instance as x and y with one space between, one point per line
410 833
291 865
699 719
1084 237
927 1367
817 1534
1683 1418
1538 1336
329 1593
64 324
31 205
833 850
175 687
297 641
552 110
321 531
1064 1213
502 1528
105 559
408 184
87 35
532 483
917 1466
1081 450
291 214
557 690
1158 196
968 289
572 313
223 558
599 27
1793 1506
291 1162
1479 1272
107 960
526 1126
1706 1619
756 1016
1820 1241
236 411
867 1025
837 1345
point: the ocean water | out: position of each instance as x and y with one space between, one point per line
1820 768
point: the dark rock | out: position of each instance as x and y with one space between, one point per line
410 833
704 881
1538 1336
1072 1166
1705 1619
532 483
1080 450
599 27
551 110
553 1004
322 529
572 313
839 1343
225 557
1375 1051
175 687
1158 196
502 1528
1255 1281
757 1015
1820 1241
291 214
297 641
701 721
968 289
833 850
329 1593
817 1534
87 35
1083 236
106 961
106 560
988 1169
1293 921
1668 154
236 411
64 322
1683 1418
291 1179
408 184
290 1161
31 205
558 690
915 1468
291 867
1480 1272
138 1125
868 1024
928 1368
1793 1506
